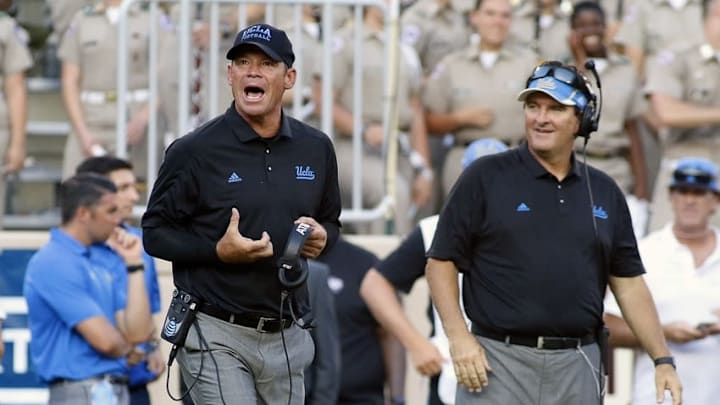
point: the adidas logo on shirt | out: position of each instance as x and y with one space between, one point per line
234 178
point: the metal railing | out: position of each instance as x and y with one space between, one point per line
357 212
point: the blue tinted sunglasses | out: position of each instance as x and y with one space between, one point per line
558 73
693 176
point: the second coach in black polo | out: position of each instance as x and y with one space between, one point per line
225 200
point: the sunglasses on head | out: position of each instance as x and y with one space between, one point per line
693 176
558 73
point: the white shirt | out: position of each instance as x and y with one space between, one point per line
681 292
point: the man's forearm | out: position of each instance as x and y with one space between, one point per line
442 277
380 296
17 107
638 309
138 321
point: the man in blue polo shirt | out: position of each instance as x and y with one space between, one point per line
120 172
86 308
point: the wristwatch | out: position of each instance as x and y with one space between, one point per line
132 268
665 360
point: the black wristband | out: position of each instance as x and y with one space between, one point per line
132 268
665 360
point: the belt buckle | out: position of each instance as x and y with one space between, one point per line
540 343
261 324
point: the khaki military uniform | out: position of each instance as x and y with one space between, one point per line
373 163
608 148
654 25
170 68
552 40
91 43
691 75
14 58
460 81
433 31
62 12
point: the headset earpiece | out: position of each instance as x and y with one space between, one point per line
588 119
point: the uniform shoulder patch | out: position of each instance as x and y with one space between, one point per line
411 34
665 57
21 35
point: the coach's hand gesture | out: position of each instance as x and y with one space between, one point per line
233 247
314 244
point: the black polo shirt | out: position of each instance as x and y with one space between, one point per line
527 247
271 182
363 368
406 264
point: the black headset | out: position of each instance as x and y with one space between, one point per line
590 117
292 268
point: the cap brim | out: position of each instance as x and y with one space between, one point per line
232 53
526 93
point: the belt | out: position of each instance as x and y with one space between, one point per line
538 342
111 96
112 379
258 322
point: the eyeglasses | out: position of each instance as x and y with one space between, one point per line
693 176
559 73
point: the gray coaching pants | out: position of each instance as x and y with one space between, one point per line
527 376
251 366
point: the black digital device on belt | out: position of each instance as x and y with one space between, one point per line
180 317
292 268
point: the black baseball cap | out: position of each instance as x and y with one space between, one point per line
272 41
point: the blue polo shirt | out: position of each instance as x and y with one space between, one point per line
65 285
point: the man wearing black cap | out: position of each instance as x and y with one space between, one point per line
226 198
538 237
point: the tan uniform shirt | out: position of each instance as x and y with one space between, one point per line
91 43
654 25
460 81
433 31
551 42
374 68
691 75
14 57
622 100
62 12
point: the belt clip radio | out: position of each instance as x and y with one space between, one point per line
180 317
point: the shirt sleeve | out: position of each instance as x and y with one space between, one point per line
56 288
664 75
406 264
69 49
624 256
14 53
172 202
436 95
329 212
461 214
